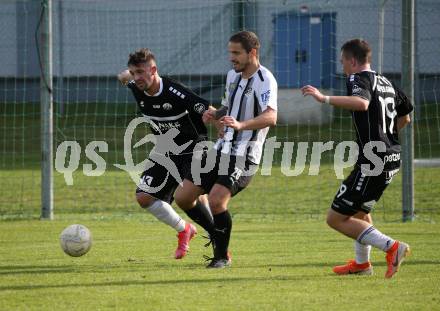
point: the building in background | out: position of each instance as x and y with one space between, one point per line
92 38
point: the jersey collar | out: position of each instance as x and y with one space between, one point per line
253 75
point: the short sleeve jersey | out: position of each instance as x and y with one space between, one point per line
174 106
247 99
379 122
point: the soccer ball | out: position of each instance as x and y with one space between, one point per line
76 240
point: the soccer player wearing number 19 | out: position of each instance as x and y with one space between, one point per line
379 111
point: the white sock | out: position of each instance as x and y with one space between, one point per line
372 236
166 214
362 252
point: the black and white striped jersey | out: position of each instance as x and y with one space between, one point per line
174 106
246 99
379 122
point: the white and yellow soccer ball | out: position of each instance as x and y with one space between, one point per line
76 240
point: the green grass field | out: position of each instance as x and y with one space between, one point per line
277 265
282 250
276 196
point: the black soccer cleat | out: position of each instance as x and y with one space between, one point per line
219 263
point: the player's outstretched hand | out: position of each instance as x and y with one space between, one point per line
124 77
209 115
231 122
314 92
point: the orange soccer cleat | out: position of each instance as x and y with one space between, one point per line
395 256
354 268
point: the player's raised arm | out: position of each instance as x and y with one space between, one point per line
354 103
125 76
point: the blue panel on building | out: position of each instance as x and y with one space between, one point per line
305 49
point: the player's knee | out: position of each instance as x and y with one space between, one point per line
144 200
217 204
336 220
184 199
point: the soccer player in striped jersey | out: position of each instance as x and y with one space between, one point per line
248 108
174 114
379 110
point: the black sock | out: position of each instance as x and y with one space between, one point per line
201 215
222 234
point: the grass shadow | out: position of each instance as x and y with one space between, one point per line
173 282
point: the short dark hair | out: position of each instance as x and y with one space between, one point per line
248 40
141 56
358 49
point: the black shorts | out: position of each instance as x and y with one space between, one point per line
359 193
158 181
235 173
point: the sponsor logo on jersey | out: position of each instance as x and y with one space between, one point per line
165 126
391 158
199 108
141 103
248 92
156 106
265 97
356 89
167 106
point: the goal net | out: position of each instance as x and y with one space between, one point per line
300 44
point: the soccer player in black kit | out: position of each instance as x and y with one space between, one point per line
170 108
379 111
